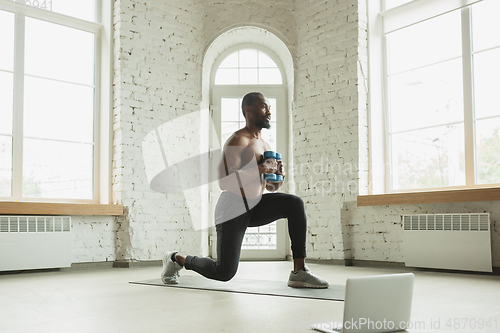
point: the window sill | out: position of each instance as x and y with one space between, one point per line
449 196
42 208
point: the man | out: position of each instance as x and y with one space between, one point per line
242 204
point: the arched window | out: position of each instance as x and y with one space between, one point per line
236 72
248 66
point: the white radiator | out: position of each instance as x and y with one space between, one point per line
448 241
31 242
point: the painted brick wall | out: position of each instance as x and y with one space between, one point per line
157 77
276 16
93 239
375 233
325 118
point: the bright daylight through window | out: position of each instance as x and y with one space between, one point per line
441 81
47 105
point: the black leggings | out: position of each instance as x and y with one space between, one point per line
271 207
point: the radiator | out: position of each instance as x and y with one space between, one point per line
448 241
32 242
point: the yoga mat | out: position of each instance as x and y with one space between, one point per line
257 287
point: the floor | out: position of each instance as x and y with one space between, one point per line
102 300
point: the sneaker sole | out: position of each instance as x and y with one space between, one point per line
300 284
164 259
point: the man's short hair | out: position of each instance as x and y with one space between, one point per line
248 100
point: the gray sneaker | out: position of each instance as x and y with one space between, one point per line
170 273
306 279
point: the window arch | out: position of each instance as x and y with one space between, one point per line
248 66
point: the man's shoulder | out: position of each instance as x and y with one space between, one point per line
238 138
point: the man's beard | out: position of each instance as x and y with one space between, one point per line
263 123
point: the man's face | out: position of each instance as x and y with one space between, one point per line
261 110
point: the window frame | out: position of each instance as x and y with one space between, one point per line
102 146
280 91
380 23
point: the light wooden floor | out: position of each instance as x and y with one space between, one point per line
102 300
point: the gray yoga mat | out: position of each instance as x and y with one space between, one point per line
256 287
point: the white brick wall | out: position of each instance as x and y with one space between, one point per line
325 118
93 238
158 55
375 233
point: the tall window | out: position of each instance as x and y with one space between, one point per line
48 109
440 80
240 72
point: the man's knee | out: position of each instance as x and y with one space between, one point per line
296 201
226 274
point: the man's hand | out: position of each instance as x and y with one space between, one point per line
280 169
268 166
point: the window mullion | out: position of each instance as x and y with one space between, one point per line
388 167
102 197
468 92
18 103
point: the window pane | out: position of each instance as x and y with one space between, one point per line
248 58
6 100
226 76
269 135
59 52
484 24
230 109
425 43
57 170
266 61
57 110
269 76
272 103
84 10
426 97
5 166
248 76
488 151
7 40
260 238
428 158
231 61
255 67
486 83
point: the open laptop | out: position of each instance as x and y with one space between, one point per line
373 304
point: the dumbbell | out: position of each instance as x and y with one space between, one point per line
271 177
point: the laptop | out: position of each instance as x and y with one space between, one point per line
373 304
